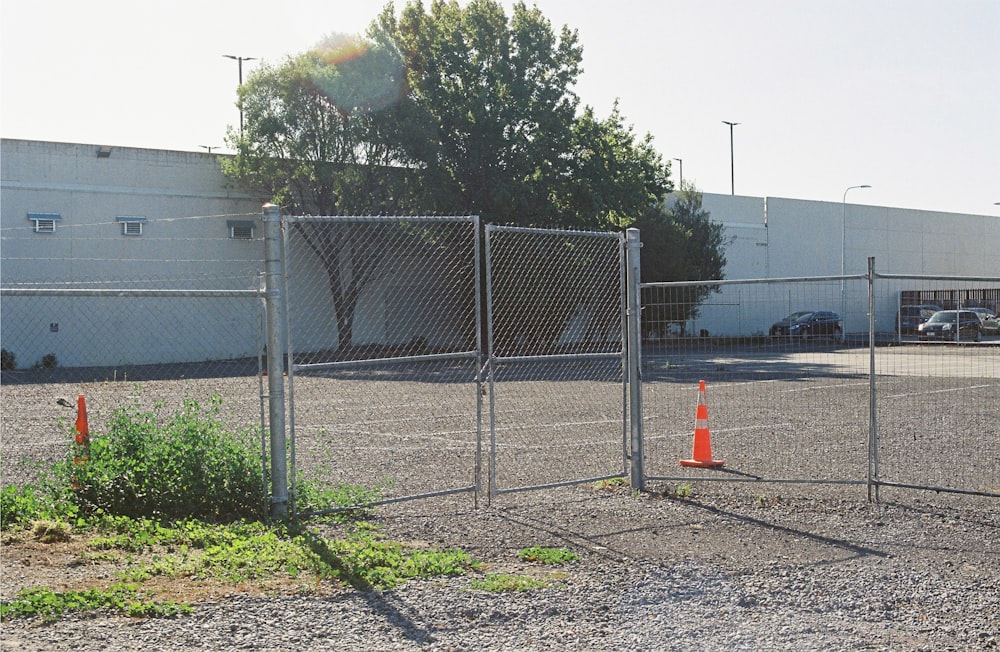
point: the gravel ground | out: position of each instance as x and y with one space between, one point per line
720 570
735 566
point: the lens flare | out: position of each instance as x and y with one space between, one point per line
356 75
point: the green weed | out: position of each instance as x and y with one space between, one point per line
548 556
51 605
506 583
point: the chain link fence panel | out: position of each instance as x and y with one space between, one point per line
786 381
801 389
175 321
938 389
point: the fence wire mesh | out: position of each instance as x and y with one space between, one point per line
149 322
555 305
384 334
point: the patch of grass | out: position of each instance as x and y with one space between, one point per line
50 531
548 556
182 501
507 583
122 598
341 502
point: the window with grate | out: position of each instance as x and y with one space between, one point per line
240 229
131 224
44 222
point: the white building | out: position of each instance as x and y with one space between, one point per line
84 216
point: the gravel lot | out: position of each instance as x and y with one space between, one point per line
750 566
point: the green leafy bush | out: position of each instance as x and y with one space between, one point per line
188 467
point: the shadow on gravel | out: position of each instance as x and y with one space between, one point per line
841 544
598 542
379 602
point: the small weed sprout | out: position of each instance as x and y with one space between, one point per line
610 484
682 491
548 556
507 583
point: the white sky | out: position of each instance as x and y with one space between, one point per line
903 95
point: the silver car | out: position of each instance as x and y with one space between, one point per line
989 319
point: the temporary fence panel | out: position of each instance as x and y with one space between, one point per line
383 332
786 389
938 389
555 311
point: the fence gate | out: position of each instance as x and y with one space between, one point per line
384 338
555 303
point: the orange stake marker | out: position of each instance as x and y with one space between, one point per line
82 429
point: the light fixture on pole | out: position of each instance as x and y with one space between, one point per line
209 147
732 160
843 253
680 167
239 61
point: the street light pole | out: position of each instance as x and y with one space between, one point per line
239 61
843 256
680 165
732 160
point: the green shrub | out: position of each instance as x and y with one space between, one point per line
48 361
188 467
7 360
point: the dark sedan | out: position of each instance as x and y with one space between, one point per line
952 325
808 324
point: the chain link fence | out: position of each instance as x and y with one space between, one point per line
419 365
175 320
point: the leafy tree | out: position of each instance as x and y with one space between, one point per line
680 243
320 137
444 109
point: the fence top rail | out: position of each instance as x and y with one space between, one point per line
369 362
616 235
124 292
383 218
934 277
748 281
560 357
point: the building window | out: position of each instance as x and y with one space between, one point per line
44 222
131 224
240 229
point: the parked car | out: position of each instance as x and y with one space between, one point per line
942 326
910 317
807 324
989 319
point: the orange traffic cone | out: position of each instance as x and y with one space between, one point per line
702 455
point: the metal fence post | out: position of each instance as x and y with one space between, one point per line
632 278
274 309
873 471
